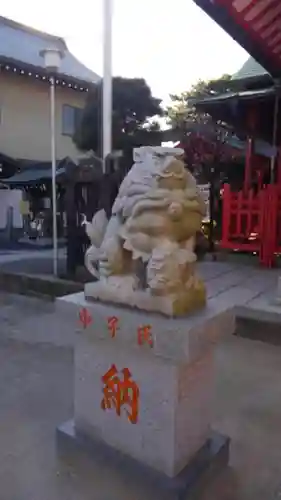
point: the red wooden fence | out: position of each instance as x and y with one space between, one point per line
252 222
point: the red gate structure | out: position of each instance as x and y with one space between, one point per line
252 222
252 218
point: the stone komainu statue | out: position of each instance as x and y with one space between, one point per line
154 220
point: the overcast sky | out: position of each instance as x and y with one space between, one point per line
171 43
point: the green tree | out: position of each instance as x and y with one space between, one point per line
203 139
182 113
132 107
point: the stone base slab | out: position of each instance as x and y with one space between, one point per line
198 473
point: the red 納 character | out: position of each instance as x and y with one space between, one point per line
119 392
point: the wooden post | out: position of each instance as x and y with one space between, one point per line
71 229
226 200
212 208
279 166
252 124
274 137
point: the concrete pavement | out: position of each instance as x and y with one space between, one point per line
7 256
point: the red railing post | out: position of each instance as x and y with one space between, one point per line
269 215
226 201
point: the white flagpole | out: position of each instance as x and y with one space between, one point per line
107 80
54 168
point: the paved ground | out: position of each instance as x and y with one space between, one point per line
9 256
32 261
238 281
33 265
36 395
26 243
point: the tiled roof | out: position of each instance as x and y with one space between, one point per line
251 69
32 176
230 96
261 148
36 172
21 44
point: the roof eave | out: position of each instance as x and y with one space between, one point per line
33 31
43 72
246 96
250 81
9 160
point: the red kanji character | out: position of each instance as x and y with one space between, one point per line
112 323
85 317
144 335
116 393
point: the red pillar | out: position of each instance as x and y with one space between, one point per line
279 166
248 164
252 123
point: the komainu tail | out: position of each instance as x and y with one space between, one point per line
95 231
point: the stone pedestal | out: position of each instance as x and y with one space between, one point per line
171 363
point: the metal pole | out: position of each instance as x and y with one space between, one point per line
274 138
107 81
54 191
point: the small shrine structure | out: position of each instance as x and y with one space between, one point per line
252 216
